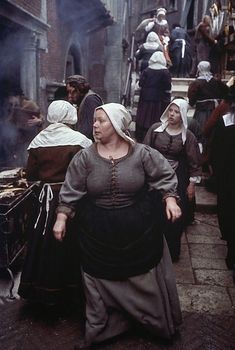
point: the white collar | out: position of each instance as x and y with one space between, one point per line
58 134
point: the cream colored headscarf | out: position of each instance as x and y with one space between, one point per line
183 106
157 61
57 133
62 112
120 119
152 41
204 71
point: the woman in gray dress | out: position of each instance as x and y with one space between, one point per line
172 138
126 267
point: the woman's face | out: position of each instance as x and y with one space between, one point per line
103 129
174 116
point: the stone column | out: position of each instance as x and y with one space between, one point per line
29 67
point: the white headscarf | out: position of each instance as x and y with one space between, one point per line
57 133
120 119
203 71
157 61
161 11
152 41
183 106
62 112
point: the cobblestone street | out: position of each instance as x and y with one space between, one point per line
205 286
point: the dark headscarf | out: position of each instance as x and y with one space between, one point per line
79 82
79 79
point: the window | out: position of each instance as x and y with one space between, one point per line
172 5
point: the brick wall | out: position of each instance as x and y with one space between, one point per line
32 6
53 61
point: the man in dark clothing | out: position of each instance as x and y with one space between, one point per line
81 95
223 164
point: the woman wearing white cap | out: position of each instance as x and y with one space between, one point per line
155 94
126 267
47 275
145 51
179 146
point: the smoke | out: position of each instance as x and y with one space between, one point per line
10 59
8 140
11 44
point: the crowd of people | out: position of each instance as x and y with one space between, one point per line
183 48
98 235
194 53
112 208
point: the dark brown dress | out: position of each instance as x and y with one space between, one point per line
51 272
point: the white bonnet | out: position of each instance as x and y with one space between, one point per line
158 60
119 117
183 106
161 11
62 112
152 37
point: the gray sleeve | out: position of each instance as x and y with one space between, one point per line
74 186
160 175
193 155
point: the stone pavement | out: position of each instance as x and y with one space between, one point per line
206 291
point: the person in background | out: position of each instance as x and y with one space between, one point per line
160 26
205 93
223 165
145 51
126 267
155 94
50 273
8 135
221 109
61 93
179 146
180 52
81 95
209 129
25 117
204 39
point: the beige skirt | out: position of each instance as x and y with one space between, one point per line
150 299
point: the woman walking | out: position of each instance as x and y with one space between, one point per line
179 146
126 267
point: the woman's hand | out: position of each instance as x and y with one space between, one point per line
173 211
191 191
59 228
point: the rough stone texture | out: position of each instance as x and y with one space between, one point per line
207 251
26 329
214 277
232 296
201 228
200 263
204 218
206 201
210 238
184 272
208 299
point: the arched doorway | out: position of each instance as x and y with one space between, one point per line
73 61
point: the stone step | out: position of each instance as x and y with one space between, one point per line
179 87
206 202
182 81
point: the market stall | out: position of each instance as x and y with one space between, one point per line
17 201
